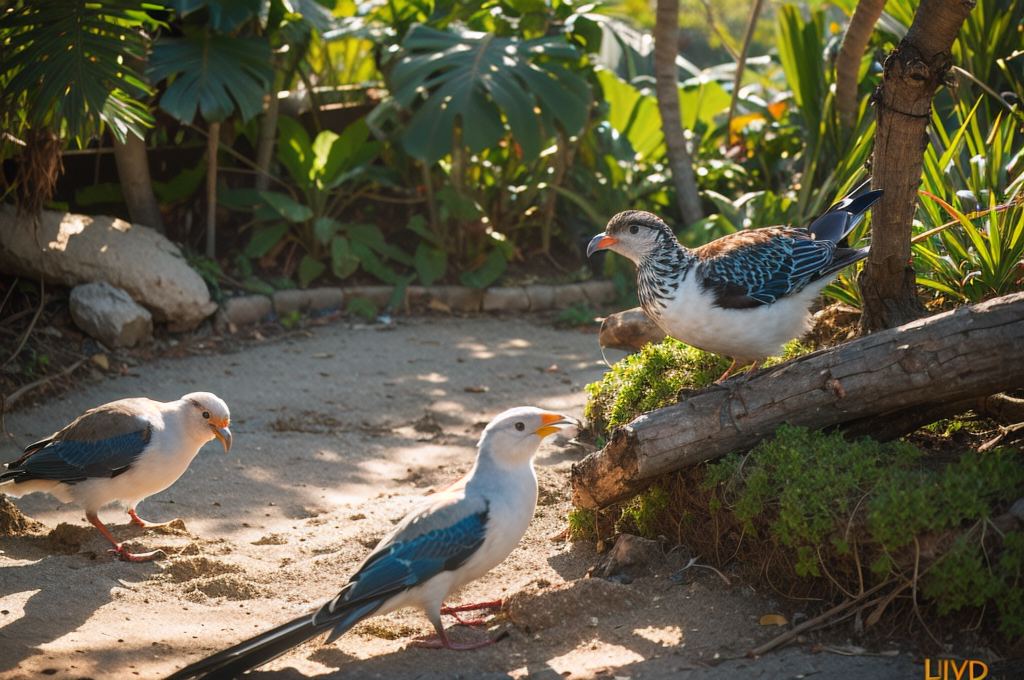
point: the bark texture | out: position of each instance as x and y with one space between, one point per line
266 144
851 52
913 71
666 49
629 330
136 184
966 354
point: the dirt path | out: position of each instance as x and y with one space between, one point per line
337 433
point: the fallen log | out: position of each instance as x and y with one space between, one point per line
629 331
969 353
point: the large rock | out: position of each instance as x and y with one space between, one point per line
72 249
110 315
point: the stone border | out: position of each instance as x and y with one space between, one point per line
249 309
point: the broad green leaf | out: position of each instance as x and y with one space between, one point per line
456 206
634 115
265 237
430 262
73 61
322 150
349 151
309 270
702 103
372 265
183 185
224 15
344 262
369 235
477 78
487 273
212 74
418 225
286 207
324 228
398 294
294 149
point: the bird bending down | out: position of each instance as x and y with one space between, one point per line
453 537
122 451
745 294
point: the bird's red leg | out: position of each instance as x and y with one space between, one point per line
119 549
750 371
453 611
149 525
441 641
728 372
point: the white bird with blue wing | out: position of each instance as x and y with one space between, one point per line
455 536
123 451
745 294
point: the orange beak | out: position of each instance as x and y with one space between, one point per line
554 422
601 242
222 433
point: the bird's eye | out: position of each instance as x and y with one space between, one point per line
634 229
206 414
520 426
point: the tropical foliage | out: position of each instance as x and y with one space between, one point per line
500 129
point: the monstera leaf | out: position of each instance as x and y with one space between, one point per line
224 15
212 73
487 83
74 60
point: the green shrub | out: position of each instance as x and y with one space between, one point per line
649 379
654 376
823 497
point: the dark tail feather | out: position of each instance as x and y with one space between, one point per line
843 258
251 653
265 647
844 215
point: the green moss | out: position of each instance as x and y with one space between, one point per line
820 496
654 376
642 513
650 379
582 523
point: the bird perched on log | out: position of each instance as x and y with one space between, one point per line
745 294
122 451
453 537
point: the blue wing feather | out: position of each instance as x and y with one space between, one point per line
761 271
400 565
75 461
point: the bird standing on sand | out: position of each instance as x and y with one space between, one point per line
455 536
122 451
745 294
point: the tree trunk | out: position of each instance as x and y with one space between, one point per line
913 71
266 144
741 59
136 185
953 357
212 144
666 49
855 42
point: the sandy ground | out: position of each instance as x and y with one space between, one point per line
338 431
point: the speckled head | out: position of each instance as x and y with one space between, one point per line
635 234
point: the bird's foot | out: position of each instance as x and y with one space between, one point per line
176 524
125 556
442 642
454 611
